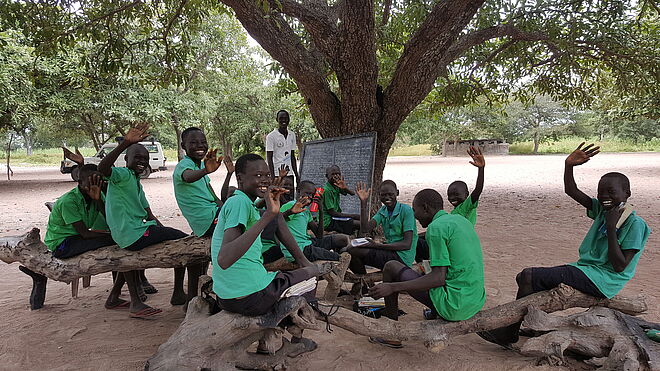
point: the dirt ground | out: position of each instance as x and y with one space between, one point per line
525 219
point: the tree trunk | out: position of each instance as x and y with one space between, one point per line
32 253
536 144
177 130
9 171
612 340
29 143
435 334
218 342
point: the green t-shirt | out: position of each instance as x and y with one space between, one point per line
125 206
632 235
297 223
468 209
247 275
331 201
454 244
71 207
195 199
401 220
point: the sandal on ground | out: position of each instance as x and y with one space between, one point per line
388 343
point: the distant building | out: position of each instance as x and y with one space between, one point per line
488 147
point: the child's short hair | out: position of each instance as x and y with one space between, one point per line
184 134
430 197
86 170
277 115
329 168
242 162
390 182
623 180
458 184
304 182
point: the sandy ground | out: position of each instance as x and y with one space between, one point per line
524 220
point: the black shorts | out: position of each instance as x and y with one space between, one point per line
548 278
155 234
209 232
422 252
261 302
341 226
378 257
314 253
76 245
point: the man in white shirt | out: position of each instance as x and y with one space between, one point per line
281 146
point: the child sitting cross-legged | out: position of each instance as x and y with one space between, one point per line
240 280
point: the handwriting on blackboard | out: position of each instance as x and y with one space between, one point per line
353 154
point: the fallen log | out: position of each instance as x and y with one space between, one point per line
436 333
613 340
219 342
33 254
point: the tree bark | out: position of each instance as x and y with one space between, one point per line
435 334
218 342
9 171
613 340
177 130
32 253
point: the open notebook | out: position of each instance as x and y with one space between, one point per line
300 288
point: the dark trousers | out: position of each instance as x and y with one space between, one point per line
76 245
154 235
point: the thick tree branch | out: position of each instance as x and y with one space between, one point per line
319 20
419 66
279 40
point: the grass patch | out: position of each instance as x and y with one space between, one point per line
567 145
40 157
416 150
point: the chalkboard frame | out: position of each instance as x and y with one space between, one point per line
371 134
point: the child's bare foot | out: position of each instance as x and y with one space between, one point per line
148 288
178 298
116 303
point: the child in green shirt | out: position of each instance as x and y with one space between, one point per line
454 288
608 254
132 224
240 280
333 218
464 203
299 219
399 228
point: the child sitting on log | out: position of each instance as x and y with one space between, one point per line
608 254
464 202
399 228
333 218
76 224
299 219
454 288
240 280
132 224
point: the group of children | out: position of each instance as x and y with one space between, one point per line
262 220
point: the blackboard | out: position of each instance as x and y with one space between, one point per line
354 154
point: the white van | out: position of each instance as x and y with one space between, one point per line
156 159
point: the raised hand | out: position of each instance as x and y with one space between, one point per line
93 187
273 198
283 171
362 191
300 205
75 157
137 133
212 161
477 156
229 164
582 155
340 182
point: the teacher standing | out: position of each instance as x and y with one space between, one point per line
281 146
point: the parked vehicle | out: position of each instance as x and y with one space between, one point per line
156 159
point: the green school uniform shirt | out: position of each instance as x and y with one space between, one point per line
632 235
195 199
394 225
297 224
467 209
454 244
330 196
247 275
125 206
71 207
